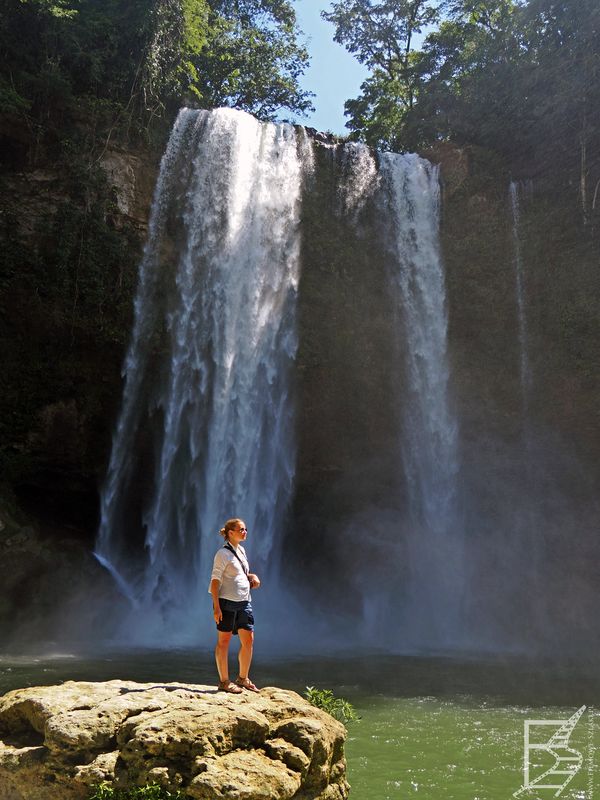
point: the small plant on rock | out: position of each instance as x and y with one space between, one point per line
151 792
338 707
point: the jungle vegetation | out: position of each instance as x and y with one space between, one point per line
520 78
119 64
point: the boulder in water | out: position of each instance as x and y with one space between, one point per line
58 741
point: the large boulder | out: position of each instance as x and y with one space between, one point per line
58 741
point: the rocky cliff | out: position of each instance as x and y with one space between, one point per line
72 240
72 237
529 476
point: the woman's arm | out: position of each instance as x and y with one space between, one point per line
215 585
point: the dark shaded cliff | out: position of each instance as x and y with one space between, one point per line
530 453
72 238
347 383
528 477
72 242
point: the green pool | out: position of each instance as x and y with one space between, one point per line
430 727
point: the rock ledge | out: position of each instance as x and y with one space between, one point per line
57 741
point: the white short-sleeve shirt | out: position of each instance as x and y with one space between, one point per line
228 570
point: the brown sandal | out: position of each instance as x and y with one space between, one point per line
228 686
246 683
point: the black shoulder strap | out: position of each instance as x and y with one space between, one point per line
229 547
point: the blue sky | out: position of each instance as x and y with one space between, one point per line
334 75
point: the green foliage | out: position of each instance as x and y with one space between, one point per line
508 75
11 101
124 64
379 115
253 60
151 792
339 708
381 33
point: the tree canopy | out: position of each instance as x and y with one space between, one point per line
124 61
253 61
509 75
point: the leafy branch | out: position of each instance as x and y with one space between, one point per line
338 707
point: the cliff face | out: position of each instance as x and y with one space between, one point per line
72 239
348 400
73 236
529 455
526 384
558 253
529 442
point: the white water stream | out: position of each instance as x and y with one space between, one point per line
524 367
220 379
429 441
209 371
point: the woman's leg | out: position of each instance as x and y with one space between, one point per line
245 654
221 654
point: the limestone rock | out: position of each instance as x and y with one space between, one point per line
121 175
132 179
57 741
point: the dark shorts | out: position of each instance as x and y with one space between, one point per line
235 616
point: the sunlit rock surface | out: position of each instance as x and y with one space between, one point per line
58 741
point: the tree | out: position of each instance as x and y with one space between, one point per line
252 59
563 42
381 33
124 63
470 80
518 77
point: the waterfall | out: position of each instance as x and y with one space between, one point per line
429 429
208 369
206 427
359 178
524 368
528 517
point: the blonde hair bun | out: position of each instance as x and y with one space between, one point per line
230 525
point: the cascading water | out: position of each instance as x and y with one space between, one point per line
524 368
425 592
210 358
208 406
527 521
429 430
359 178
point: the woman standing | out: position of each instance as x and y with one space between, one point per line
230 585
